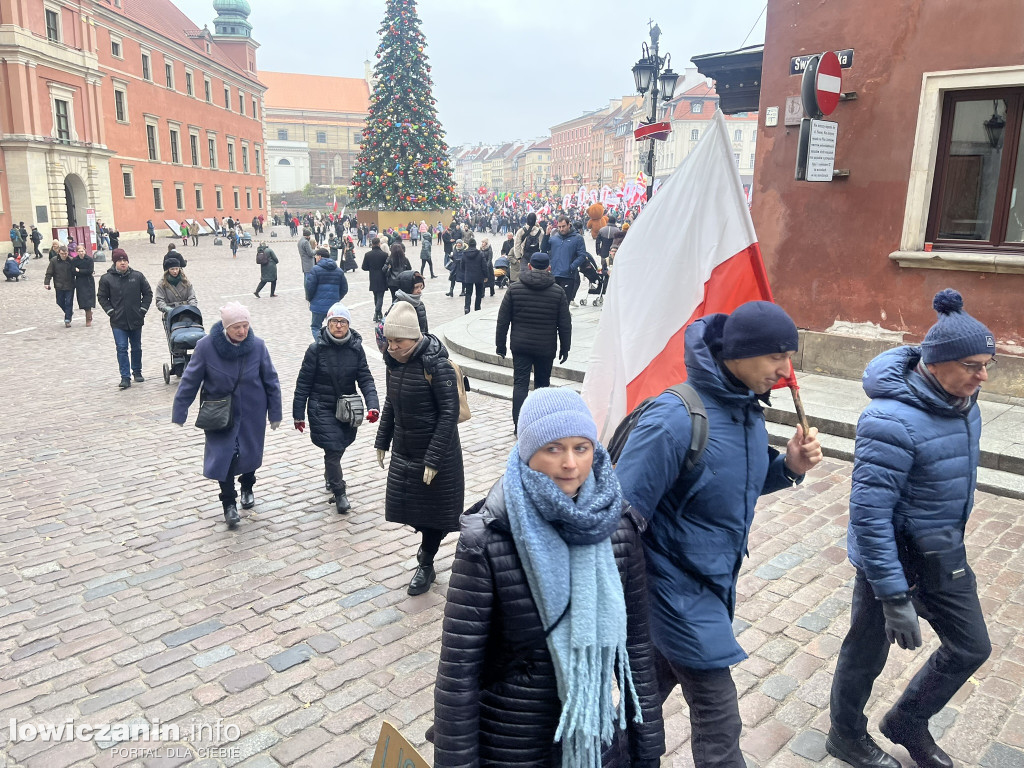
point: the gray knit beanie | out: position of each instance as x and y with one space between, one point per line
553 413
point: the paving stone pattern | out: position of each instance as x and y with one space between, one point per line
124 598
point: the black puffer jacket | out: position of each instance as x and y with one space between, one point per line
539 313
420 425
496 699
125 297
328 371
473 266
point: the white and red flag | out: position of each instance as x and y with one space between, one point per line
691 252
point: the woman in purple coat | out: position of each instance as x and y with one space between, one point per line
232 360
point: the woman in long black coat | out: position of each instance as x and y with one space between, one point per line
85 282
549 577
332 367
420 425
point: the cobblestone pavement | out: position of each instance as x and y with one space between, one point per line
123 598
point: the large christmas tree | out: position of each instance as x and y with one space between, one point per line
403 161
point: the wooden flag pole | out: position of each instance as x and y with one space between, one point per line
798 403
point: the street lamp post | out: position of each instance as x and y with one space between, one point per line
650 71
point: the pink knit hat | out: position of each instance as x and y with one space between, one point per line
232 313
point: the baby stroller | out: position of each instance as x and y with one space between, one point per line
598 283
184 328
501 270
245 240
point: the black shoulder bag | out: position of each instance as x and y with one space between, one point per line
218 415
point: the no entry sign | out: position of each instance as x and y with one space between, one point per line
822 85
828 82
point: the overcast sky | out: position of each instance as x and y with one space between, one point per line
501 70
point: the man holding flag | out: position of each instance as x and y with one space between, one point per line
698 521
697 309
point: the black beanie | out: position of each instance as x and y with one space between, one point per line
173 259
758 328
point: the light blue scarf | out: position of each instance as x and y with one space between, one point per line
566 551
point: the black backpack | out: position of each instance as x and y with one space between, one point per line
698 434
531 243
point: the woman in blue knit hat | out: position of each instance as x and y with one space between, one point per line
914 473
547 611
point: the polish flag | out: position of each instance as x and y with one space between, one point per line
335 206
692 252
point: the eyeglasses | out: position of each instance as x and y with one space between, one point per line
975 368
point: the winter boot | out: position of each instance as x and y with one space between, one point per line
248 499
88 318
424 576
341 502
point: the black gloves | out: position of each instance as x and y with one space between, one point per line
563 356
901 623
500 352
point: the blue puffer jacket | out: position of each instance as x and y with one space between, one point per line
915 466
325 286
567 253
697 533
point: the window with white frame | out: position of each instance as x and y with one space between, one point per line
208 89
179 196
158 196
219 194
193 145
175 137
169 74
121 102
62 107
231 155
116 47
53 32
245 158
189 85
211 145
259 167
737 135
259 197
199 197
254 110
237 198
147 67
241 103
694 134
227 97
248 199
128 181
152 141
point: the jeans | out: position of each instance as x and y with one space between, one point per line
317 323
378 304
522 365
715 723
468 288
66 301
273 286
122 338
956 617
570 285
332 471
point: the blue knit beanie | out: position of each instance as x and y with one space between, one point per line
550 414
758 328
956 334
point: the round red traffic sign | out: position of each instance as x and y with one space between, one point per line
828 82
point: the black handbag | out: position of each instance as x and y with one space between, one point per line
218 415
348 409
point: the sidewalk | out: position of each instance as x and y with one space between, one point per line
832 405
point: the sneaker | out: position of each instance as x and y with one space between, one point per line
573 304
860 753
254 293
125 383
139 378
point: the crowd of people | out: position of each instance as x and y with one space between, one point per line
584 592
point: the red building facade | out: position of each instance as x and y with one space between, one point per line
933 144
129 110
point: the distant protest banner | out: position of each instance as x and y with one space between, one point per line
395 751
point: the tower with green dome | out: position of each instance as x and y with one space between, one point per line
232 18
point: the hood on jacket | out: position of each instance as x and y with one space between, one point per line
891 375
326 263
407 280
536 279
703 346
112 270
430 350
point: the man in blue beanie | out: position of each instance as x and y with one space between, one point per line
914 472
698 521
